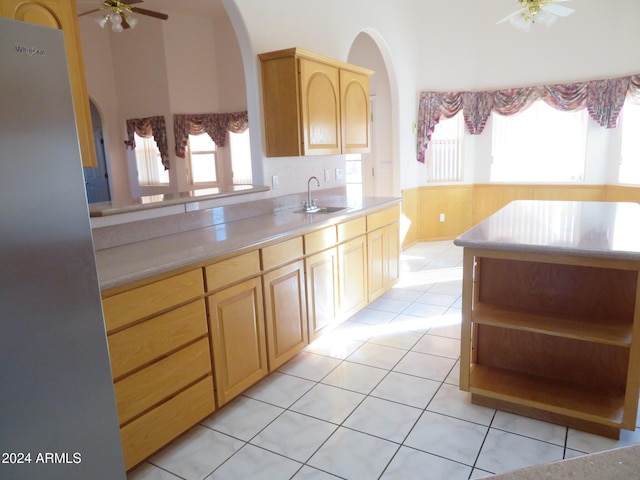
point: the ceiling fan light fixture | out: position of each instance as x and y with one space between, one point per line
119 13
530 12
132 21
102 20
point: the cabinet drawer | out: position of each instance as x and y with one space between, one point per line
232 270
385 217
143 343
320 240
128 307
352 229
148 387
153 430
281 253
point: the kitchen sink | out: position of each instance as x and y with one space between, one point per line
323 210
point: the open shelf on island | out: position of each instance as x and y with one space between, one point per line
585 404
606 332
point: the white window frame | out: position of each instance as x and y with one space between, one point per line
445 153
151 171
190 156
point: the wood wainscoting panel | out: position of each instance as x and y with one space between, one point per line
409 219
454 201
621 193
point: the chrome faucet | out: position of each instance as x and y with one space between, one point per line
310 205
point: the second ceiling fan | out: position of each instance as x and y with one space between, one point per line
119 14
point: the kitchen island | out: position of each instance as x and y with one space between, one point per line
550 314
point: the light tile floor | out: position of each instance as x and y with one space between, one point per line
377 398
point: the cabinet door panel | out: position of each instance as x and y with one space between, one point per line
377 272
322 291
320 104
285 313
353 275
392 253
237 338
354 91
62 14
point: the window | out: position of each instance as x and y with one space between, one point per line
149 163
539 144
630 157
203 167
444 155
240 158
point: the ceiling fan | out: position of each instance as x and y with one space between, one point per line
537 11
119 13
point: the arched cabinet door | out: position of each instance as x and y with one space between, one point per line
62 14
320 105
354 92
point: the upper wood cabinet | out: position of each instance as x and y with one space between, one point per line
314 105
63 15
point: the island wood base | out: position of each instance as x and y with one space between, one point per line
547 416
552 337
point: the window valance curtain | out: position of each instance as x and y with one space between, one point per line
602 98
146 128
215 124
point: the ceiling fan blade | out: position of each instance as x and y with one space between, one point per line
124 22
150 13
89 12
508 17
559 10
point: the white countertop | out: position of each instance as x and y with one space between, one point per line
597 229
136 261
617 464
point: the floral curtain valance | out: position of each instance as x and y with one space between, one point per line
215 124
602 98
146 128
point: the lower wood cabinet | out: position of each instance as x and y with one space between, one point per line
150 432
323 293
383 250
285 308
238 343
182 345
352 275
160 361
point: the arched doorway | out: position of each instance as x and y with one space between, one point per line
96 179
379 169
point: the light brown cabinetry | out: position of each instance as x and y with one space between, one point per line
236 324
383 251
354 111
321 269
552 337
181 345
63 15
352 266
314 105
159 350
285 305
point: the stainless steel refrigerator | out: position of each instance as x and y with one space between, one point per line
57 410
